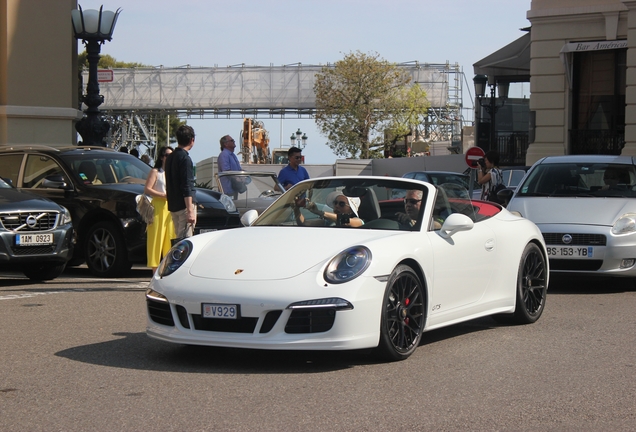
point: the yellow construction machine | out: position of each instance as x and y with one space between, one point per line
255 147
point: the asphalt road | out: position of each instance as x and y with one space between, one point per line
75 357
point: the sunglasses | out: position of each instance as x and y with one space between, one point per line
340 203
298 157
412 201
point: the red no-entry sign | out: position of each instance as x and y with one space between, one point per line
473 154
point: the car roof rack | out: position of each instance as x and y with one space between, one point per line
52 148
28 147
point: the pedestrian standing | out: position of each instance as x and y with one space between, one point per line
180 184
293 172
227 161
145 158
489 176
161 230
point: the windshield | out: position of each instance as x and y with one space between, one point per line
249 185
456 185
347 202
458 179
580 180
99 169
512 177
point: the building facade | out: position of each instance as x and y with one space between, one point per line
582 77
38 73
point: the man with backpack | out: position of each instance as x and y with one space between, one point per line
489 176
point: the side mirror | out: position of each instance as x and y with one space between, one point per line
249 217
455 223
505 195
56 181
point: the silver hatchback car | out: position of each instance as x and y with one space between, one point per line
585 206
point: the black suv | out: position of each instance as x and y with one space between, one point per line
99 186
36 235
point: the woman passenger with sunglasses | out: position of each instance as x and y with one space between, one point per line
345 211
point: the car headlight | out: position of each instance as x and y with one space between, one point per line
175 258
348 265
625 224
65 216
228 203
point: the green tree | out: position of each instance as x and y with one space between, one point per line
408 115
358 98
162 129
105 62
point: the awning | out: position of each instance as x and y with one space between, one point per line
572 47
511 63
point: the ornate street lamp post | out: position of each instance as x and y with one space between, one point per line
93 28
298 139
491 106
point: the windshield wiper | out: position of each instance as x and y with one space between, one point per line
537 194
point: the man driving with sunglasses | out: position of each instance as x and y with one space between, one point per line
293 172
412 204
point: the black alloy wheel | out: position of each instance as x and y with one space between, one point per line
403 315
106 254
531 288
531 285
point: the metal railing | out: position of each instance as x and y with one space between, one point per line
512 149
607 142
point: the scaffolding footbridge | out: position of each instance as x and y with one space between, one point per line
249 91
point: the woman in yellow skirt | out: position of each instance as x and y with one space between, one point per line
161 230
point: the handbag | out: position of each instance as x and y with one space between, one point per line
145 208
498 186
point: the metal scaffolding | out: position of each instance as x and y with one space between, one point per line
136 96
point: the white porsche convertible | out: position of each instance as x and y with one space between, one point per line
337 263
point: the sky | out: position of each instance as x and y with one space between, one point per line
207 33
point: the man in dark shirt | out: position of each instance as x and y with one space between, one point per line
180 184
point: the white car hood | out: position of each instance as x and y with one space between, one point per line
270 253
582 211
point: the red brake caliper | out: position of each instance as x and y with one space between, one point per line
406 303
